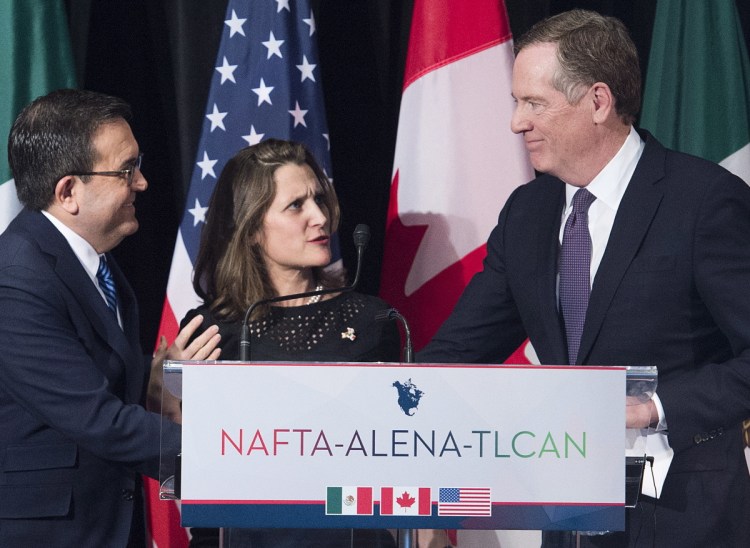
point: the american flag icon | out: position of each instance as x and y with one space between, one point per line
465 501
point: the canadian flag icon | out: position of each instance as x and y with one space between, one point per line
405 501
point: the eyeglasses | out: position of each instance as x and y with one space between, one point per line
128 173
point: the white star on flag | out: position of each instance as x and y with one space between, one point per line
227 71
282 5
265 39
198 212
253 138
217 119
264 93
235 25
311 22
207 166
274 46
298 114
306 68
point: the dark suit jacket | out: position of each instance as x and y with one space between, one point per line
73 436
672 290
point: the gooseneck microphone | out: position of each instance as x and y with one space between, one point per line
393 314
361 239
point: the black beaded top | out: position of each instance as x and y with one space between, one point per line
341 329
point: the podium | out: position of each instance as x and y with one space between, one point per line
389 445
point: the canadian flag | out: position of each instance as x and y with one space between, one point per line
405 501
456 160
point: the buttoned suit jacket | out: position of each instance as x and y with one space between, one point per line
672 290
73 436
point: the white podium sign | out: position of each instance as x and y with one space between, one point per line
390 445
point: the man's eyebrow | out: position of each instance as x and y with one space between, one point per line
529 98
129 163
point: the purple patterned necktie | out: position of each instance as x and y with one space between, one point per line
574 268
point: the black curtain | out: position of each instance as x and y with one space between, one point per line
159 55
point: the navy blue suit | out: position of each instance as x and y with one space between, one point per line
73 437
672 290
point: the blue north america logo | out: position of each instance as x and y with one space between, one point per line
408 396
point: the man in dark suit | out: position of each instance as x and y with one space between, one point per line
73 435
661 243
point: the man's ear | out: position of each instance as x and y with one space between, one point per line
66 194
603 102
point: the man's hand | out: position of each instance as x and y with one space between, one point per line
640 415
202 348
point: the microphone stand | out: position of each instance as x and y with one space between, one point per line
405 536
393 314
361 238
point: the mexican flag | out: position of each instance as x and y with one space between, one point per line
349 501
697 94
36 59
697 97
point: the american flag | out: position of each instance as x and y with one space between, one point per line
266 84
464 501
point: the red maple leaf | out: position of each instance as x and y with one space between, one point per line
438 295
405 500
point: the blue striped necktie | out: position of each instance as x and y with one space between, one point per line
107 284
574 269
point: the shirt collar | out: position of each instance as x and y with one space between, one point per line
611 182
85 252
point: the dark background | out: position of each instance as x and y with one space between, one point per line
160 55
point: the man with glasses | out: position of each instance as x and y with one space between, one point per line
127 173
73 435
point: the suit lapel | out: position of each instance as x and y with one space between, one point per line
72 274
554 351
129 312
637 209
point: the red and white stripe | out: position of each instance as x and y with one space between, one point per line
163 516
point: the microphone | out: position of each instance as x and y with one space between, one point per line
393 314
361 239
